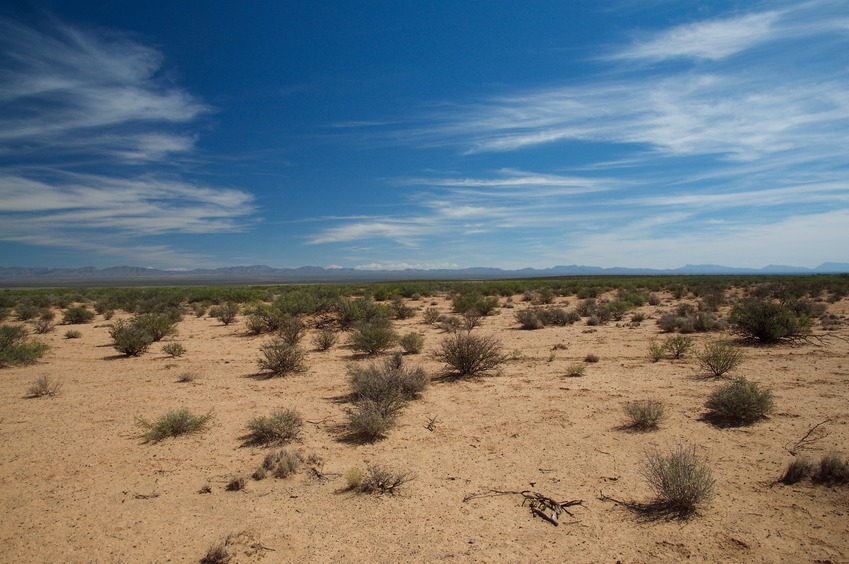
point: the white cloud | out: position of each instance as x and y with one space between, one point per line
713 40
65 84
76 99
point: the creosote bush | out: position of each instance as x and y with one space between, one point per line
645 415
129 339
768 322
430 316
412 343
324 340
281 358
657 350
174 349
374 336
681 482
16 349
678 345
467 355
740 402
73 334
279 427
719 358
156 325
77 315
225 313
173 424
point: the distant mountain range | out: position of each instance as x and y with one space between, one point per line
258 274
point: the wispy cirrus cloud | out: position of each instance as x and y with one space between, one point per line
81 110
711 40
733 152
64 81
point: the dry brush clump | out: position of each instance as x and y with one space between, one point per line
280 464
279 427
467 355
173 424
377 479
830 471
379 393
645 415
44 386
682 483
280 358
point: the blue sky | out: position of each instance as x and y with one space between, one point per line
637 133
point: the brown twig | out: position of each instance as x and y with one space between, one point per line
806 440
540 505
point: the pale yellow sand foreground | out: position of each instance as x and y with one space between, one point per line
79 484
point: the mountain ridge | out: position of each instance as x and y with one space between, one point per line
306 274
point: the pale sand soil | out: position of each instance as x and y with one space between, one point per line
79 484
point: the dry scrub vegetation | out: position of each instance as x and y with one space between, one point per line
681 418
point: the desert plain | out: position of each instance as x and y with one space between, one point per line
81 484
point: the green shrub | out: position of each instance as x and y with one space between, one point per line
719 358
156 325
77 315
374 336
529 319
400 310
173 424
129 339
576 370
369 420
174 349
73 334
469 355
44 386
324 339
412 343
558 316
681 482
768 322
16 349
225 313
678 345
740 402
26 311
291 329
281 358
656 350
645 415
430 316
279 427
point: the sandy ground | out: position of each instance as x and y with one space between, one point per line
80 485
